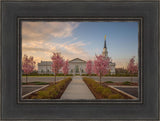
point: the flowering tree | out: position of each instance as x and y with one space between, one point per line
132 67
57 63
89 67
65 68
28 65
101 65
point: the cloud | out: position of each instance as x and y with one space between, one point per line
43 49
35 49
74 48
45 31
42 38
68 50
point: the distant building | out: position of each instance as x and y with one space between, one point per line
45 67
76 66
111 64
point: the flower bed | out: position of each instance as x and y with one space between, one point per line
53 91
101 92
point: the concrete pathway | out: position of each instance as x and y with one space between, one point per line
77 89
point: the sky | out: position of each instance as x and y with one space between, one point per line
81 40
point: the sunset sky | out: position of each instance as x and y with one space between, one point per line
80 40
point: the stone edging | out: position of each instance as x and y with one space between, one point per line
124 86
120 91
34 91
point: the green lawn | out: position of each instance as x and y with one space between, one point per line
44 76
109 82
35 83
126 83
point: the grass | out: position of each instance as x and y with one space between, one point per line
126 83
109 82
115 75
100 91
41 76
122 75
54 91
35 83
46 75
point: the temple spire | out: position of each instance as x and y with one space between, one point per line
105 52
105 41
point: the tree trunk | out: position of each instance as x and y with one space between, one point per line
100 79
26 79
55 78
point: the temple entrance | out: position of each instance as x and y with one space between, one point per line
77 66
77 69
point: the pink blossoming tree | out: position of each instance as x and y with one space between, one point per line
89 67
132 67
101 65
28 65
65 68
57 63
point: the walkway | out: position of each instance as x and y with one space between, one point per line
77 89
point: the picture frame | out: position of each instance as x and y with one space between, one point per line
13 109
139 20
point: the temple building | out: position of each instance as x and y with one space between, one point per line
105 53
45 67
76 66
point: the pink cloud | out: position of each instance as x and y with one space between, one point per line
44 31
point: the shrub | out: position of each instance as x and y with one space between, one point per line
77 74
69 75
60 74
106 92
126 83
115 96
122 75
99 89
93 74
43 94
84 74
108 82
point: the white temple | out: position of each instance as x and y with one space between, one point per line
105 53
76 66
